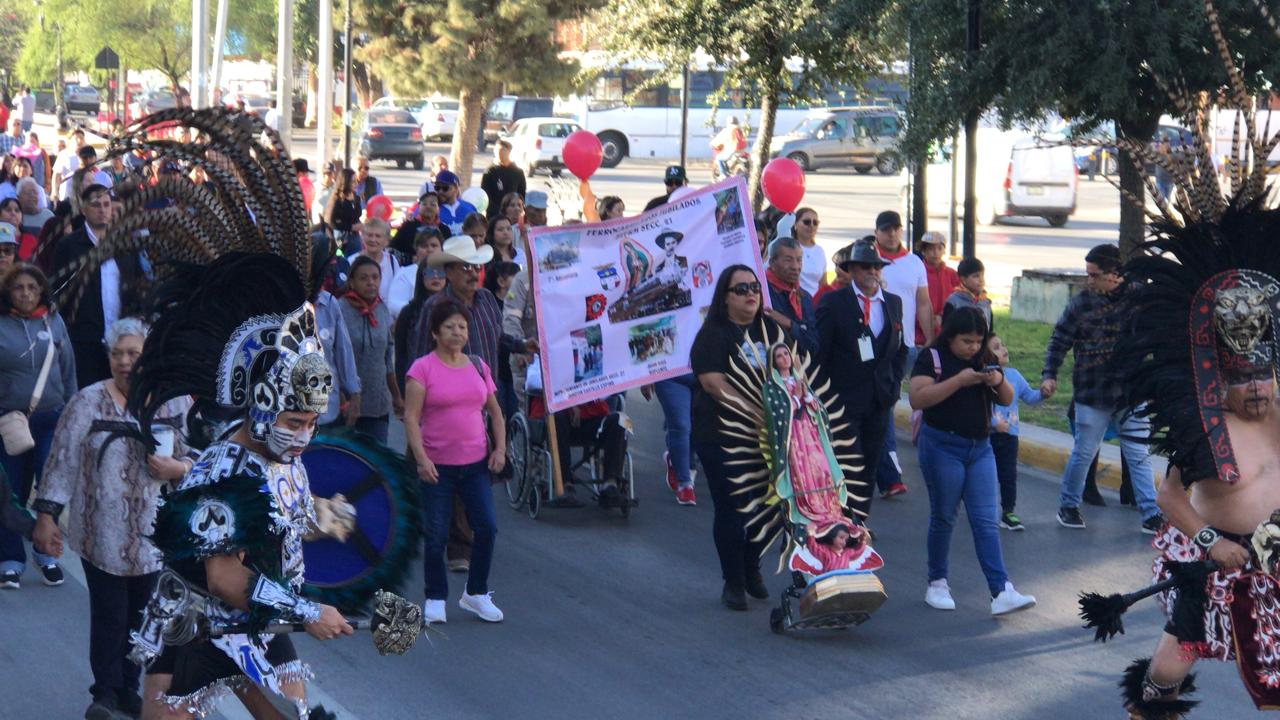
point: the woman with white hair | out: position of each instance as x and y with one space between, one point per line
109 484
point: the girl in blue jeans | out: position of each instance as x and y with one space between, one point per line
955 383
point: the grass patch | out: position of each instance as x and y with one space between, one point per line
1026 342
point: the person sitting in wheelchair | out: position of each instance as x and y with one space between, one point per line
593 425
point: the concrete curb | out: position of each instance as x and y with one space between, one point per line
1048 450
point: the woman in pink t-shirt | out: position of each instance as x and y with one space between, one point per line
447 393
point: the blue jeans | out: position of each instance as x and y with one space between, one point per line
676 397
471 485
24 473
959 469
1090 427
889 471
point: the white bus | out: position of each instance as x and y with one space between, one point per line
649 127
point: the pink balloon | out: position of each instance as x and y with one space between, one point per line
582 153
379 206
783 183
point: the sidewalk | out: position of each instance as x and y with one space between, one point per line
1047 450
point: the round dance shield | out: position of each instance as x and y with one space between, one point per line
384 491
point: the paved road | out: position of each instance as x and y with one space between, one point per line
622 618
847 204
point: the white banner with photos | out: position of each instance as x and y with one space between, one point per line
620 302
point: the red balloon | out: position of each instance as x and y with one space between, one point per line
582 153
783 183
379 206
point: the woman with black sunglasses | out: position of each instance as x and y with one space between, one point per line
734 319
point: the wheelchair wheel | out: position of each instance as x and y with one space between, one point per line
518 457
629 488
536 496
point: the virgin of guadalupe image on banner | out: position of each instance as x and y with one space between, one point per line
795 473
620 302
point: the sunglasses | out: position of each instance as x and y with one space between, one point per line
864 266
745 288
813 223
469 267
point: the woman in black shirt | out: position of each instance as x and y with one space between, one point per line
955 384
734 318
343 213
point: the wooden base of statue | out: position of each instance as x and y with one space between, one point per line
834 601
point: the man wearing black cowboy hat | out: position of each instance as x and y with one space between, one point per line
861 347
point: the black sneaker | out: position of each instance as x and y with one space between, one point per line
611 496
11 580
52 575
101 710
1009 521
1069 517
734 597
1153 525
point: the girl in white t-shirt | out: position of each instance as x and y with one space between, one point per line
814 270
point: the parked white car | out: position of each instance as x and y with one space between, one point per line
1018 175
437 115
539 143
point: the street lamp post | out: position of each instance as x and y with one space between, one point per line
973 39
346 91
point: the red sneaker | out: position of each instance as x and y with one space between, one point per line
894 489
672 481
685 496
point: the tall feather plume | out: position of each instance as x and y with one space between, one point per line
252 202
233 248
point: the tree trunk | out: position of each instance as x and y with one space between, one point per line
1132 219
760 153
471 104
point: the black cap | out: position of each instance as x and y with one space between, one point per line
300 166
675 175
887 219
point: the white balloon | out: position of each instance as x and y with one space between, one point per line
478 197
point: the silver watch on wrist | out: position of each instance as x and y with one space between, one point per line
1206 538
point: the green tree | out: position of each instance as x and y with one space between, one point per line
1092 61
473 49
779 51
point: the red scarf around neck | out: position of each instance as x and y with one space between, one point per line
38 313
901 253
365 308
792 291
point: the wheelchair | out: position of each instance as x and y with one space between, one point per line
530 483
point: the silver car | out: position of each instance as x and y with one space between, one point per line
864 137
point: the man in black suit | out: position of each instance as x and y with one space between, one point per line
102 299
860 347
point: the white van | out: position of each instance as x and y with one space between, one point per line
1018 176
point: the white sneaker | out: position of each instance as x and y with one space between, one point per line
1010 600
433 611
938 596
481 605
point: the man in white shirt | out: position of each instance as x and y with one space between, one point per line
66 165
25 104
905 277
272 118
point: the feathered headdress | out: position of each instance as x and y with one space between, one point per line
231 261
1208 298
